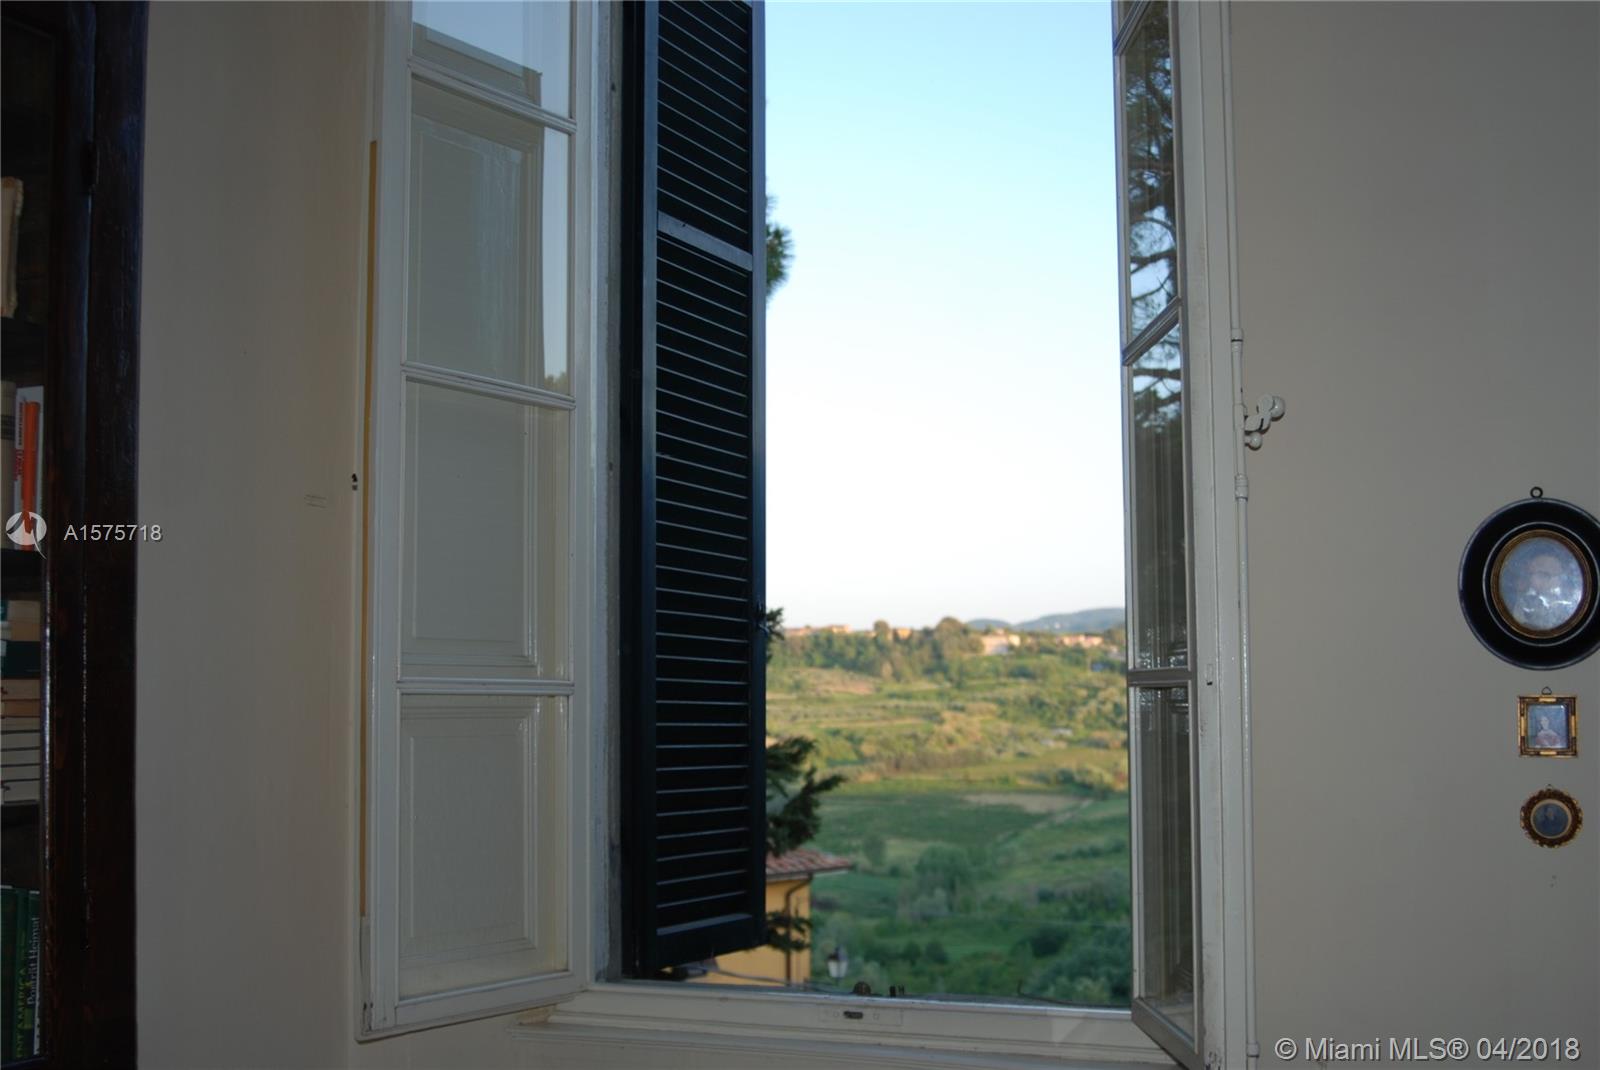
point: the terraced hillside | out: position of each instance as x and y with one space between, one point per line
985 809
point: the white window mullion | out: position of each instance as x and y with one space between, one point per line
1224 892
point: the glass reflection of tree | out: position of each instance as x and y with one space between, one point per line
1151 170
1160 544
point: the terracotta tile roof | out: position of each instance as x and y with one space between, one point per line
803 861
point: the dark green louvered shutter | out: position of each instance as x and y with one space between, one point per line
694 811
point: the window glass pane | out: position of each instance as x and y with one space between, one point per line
1159 630
485 543
488 242
1151 166
1166 901
523 49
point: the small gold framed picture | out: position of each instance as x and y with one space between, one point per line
1547 726
1551 817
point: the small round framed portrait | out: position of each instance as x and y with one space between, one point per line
1547 726
1551 817
1527 583
1541 583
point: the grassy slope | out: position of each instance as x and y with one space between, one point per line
986 812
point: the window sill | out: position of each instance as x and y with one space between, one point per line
742 1028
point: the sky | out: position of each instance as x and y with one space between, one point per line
943 413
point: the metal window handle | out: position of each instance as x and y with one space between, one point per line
1269 408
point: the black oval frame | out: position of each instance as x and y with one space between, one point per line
1573 643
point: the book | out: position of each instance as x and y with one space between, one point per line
20 618
8 966
28 482
36 963
25 1020
21 758
10 216
19 657
20 698
8 428
20 688
19 979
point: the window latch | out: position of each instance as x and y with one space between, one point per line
1269 409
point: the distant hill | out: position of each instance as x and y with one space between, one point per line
1084 620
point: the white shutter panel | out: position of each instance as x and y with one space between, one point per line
472 676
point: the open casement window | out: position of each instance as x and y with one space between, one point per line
1156 404
693 730
474 671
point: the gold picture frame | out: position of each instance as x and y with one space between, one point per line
1554 579
1547 726
1551 818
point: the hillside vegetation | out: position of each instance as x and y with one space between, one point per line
985 808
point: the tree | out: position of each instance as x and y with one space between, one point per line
780 253
793 790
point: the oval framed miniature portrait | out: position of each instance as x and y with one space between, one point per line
1527 583
1551 817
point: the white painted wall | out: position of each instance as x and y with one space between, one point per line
1420 262
254 223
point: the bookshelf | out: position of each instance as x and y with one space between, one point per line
71 140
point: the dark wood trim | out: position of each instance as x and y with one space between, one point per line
107 1029
92 419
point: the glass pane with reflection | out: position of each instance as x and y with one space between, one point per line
1159 629
1166 860
488 242
1151 167
521 49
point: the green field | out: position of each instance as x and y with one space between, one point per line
985 810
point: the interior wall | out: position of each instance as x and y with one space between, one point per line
1420 263
253 298
1419 278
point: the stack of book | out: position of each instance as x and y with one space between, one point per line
19 972
20 740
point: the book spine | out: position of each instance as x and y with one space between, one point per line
8 967
22 1020
35 967
19 657
30 453
20 689
20 619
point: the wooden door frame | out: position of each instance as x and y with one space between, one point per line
89 974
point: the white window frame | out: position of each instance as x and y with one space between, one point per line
591 1004
383 1011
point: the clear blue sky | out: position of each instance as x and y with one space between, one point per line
942 393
